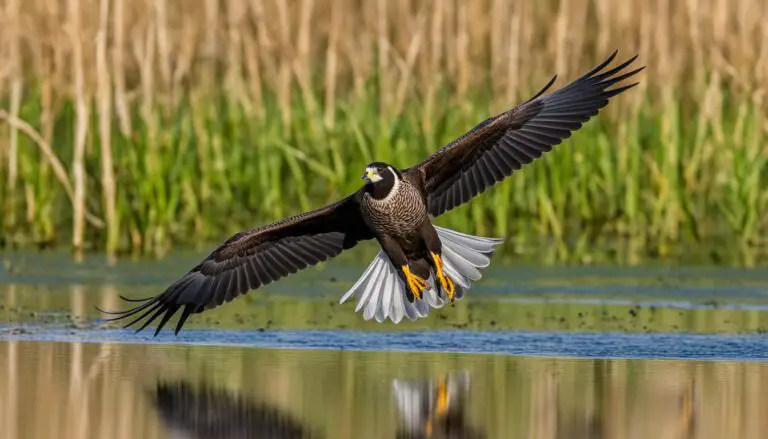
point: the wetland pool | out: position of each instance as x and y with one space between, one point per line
123 390
532 352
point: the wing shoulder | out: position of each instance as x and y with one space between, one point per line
340 217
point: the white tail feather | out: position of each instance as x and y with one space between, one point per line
381 293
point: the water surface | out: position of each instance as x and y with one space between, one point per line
100 390
532 352
49 289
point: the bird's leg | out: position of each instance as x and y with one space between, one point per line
415 284
446 283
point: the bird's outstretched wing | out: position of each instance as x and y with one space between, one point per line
202 411
254 258
502 144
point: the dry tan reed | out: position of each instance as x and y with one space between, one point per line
97 78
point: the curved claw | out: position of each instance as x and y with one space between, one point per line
416 284
446 283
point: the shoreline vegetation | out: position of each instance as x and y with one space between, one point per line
135 127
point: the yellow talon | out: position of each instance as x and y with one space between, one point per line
442 399
445 282
416 284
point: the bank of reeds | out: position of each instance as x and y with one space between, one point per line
138 125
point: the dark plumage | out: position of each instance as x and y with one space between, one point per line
210 413
425 264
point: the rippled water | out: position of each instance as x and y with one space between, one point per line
650 352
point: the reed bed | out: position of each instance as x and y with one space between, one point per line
134 126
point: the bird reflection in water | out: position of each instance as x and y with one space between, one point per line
434 408
210 413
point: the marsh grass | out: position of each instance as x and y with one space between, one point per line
174 125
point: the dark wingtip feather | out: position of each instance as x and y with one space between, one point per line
144 314
543 89
103 311
125 312
152 307
129 312
603 64
625 76
169 312
607 79
184 316
158 311
621 89
127 299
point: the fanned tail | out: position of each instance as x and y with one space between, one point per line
381 294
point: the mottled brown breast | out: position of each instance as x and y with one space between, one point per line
399 214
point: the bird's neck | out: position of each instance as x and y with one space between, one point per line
382 189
